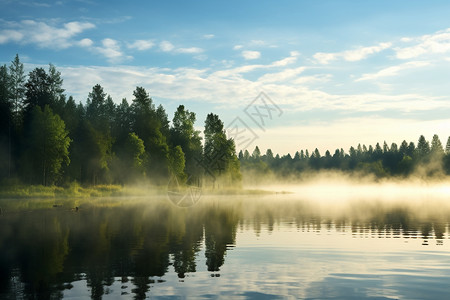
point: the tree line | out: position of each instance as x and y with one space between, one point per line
424 159
47 138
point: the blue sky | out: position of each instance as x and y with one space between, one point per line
337 73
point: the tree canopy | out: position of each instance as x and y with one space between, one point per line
46 137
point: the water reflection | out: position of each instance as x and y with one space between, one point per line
135 243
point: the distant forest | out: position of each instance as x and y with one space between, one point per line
421 160
47 138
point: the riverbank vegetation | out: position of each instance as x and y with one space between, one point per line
50 145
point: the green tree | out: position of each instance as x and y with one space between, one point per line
96 109
423 148
220 152
436 146
447 146
91 154
183 134
146 125
129 164
6 116
55 83
48 145
18 89
177 163
163 119
256 153
37 91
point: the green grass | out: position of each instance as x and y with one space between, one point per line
75 190
72 190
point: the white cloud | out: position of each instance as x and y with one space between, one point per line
208 36
393 71
194 50
282 76
325 58
111 50
43 34
231 87
141 45
437 43
363 52
285 61
312 79
248 55
166 46
86 43
237 47
10 36
351 55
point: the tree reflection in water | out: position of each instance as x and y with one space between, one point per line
136 242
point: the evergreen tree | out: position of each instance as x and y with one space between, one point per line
423 148
37 91
146 125
55 83
447 146
6 119
183 134
256 153
436 146
220 152
17 89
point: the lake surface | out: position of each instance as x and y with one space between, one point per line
241 247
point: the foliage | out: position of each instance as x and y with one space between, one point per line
47 138
48 146
392 160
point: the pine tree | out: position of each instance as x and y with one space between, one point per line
17 84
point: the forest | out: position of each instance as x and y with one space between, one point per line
47 138
423 160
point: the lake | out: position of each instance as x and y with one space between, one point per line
272 246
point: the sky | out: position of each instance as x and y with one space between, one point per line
285 75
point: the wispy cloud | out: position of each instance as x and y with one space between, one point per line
436 43
208 36
231 86
166 46
394 70
141 45
194 50
237 47
351 55
42 34
249 55
282 76
112 51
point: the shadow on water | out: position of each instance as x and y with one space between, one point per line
44 249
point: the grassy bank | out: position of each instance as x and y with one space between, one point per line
73 190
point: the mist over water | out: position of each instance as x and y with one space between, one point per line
332 237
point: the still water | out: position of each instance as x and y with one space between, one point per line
240 247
